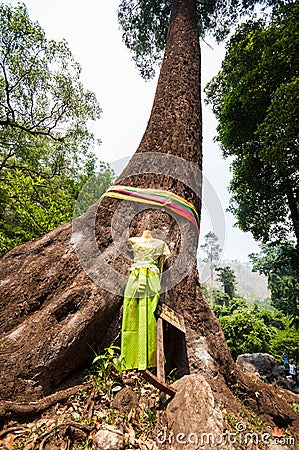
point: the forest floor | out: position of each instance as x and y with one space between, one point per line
127 407
136 414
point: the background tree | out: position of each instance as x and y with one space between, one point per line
255 329
287 337
245 333
45 143
255 98
220 298
226 276
212 250
275 261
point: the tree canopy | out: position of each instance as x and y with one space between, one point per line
45 143
226 276
145 25
256 329
276 262
255 98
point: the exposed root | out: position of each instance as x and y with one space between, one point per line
10 430
19 410
45 436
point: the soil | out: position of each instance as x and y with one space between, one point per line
139 411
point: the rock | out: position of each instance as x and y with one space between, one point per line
278 371
195 419
125 400
278 376
109 438
275 446
257 363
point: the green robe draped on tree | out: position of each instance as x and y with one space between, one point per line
141 297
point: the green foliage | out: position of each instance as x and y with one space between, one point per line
94 187
245 333
295 406
286 338
145 25
172 376
204 290
106 369
235 304
84 444
45 143
274 319
278 263
226 275
41 92
31 206
255 98
221 298
256 329
263 327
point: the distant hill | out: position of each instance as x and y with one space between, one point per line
250 285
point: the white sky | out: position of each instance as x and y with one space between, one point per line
91 29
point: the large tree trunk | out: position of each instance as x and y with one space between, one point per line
53 312
61 295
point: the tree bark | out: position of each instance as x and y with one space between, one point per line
60 298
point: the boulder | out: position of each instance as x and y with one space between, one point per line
195 416
109 438
257 363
